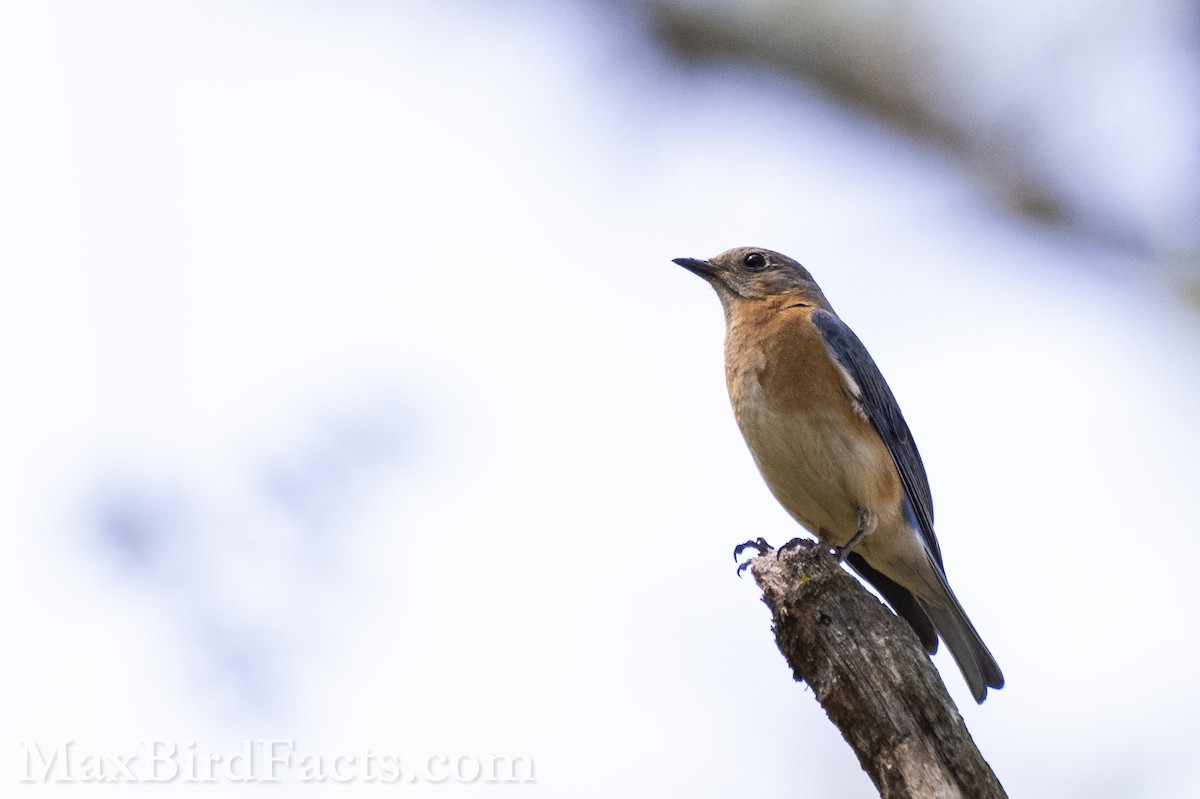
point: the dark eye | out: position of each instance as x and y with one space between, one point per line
755 261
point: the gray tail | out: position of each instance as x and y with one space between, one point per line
901 600
972 656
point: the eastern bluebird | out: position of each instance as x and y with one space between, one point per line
829 439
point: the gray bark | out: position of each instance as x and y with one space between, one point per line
872 677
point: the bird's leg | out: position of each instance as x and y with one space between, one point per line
866 526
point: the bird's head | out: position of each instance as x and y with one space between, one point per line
754 274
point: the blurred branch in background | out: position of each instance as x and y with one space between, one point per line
1085 112
245 562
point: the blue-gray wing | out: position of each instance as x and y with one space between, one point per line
879 405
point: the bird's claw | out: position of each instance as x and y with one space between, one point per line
793 544
759 544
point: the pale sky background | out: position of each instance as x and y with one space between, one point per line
352 398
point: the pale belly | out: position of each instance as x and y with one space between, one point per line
820 466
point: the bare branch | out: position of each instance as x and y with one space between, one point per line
870 673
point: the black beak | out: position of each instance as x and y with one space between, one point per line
701 268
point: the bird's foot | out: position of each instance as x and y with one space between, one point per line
760 545
795 543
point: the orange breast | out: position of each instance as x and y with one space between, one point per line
821 458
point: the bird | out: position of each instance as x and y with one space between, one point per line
830 442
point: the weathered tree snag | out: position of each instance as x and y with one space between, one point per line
870 673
